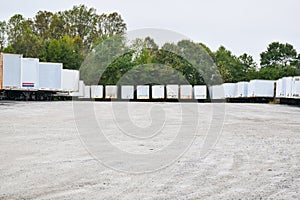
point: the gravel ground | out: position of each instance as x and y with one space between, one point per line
42 156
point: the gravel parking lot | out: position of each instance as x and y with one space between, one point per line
256 155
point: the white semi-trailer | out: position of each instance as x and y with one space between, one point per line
261 89
217 92
50 76
158 92
97 91
10 71
127 92
87 92
111 92
287 83
296 87
228 90
288 90
284 87
172 91
200 92
30 73
186 92
70 80
280 92
143 92
80 92
241 90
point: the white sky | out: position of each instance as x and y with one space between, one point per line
240 25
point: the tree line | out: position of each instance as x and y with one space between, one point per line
71 36
66 36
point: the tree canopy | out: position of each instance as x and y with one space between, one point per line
279 60
66 36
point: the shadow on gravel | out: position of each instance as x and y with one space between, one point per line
7 103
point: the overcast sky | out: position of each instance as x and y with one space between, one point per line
240 25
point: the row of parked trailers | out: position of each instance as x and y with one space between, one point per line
142 92
29 79
285 90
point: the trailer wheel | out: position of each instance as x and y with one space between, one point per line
33 97
41 98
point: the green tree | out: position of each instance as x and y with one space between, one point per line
171 64
54 51
66 50
248 62
65 36
207 49
268 73
42 22
279 54
88 25
116 71
29 45
71 52
22 38
289 71
14 25
15 28
230 67
2 34
191 60
81 21
110 24
58 26
249 67
144 50
97 64
9 49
